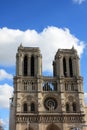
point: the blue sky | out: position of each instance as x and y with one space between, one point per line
48 24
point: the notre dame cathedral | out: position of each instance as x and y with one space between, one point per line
47 102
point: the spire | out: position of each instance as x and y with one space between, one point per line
73 47
20 47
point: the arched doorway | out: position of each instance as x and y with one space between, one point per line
29 128
53 127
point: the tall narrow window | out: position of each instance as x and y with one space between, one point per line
64 67
32 66
25 65
33 86
67 107
32 107
72 87
66 86
25 107
74 107
70 67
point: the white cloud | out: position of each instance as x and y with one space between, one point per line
78 1
4 122
49 41
6 92
5 75
85 94
1 122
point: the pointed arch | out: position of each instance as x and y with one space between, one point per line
25 108
72 87
64 67
25 66
53 127
32 107
66 86
74 107
70 67
67 107
32 65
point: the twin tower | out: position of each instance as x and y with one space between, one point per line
47 102
29 62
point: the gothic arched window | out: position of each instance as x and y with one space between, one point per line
67 107
32 65
66 86
33 86
25 86
25 107
72 87
74 107
64 67
70 67
25 65
32 107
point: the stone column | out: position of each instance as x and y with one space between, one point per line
39 65
62 102
60 66
81 105
74 66
20 65
18 126
78 66
61 84
80 95
58 86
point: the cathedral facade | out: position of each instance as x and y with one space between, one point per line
47 102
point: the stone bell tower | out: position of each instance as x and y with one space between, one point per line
66 63
47 102
28 62
26 87
66 67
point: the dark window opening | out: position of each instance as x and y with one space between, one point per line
33 86
70 67
32 107
67 107
25 65
74 107
64 67
54 68
25 107
32 66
